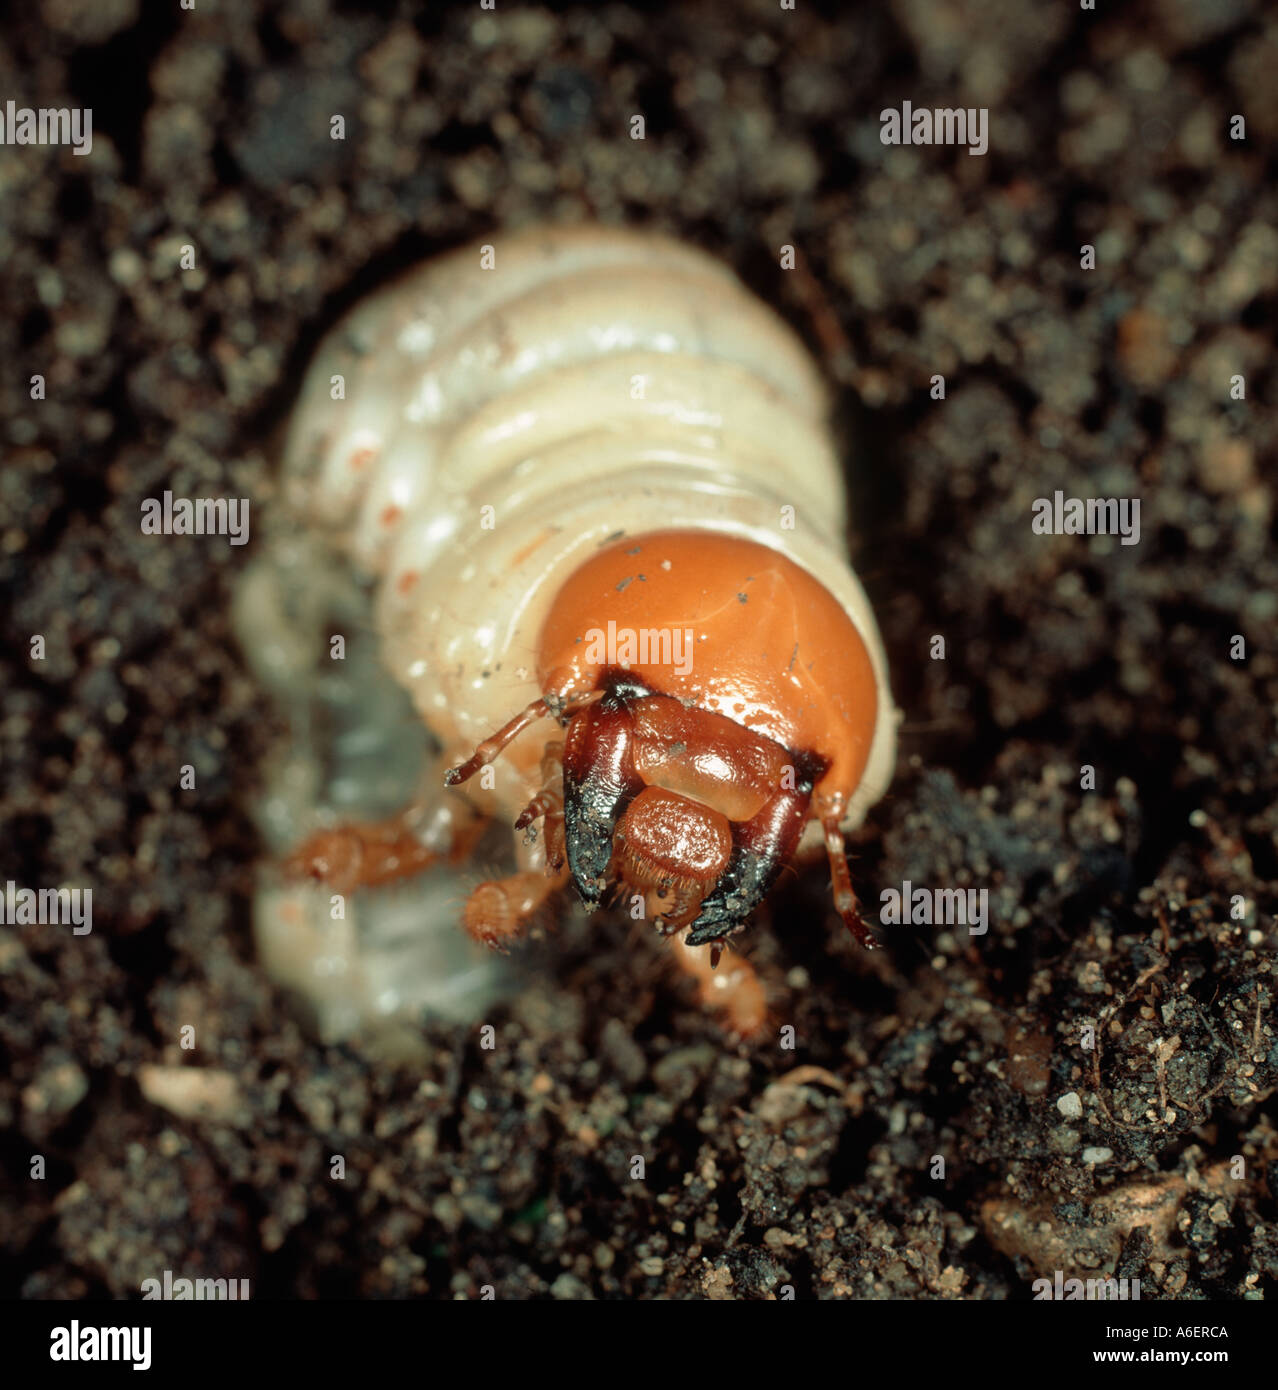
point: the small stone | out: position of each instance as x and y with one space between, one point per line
1145 350
126 266
57 1090
1063 1139
1070 1106
194 1093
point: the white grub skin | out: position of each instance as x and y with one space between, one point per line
356 751
512 388
592 382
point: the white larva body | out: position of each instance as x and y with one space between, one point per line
356 750
505 409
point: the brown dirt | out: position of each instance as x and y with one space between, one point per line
1109 908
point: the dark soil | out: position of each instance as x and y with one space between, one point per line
942 1128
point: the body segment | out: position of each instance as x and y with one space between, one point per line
590 478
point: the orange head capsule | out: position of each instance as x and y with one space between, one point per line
715 697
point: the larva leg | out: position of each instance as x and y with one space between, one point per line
725 981
845 902
367 854
498 912
491 748
548 805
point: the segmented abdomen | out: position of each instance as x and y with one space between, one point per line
506 408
